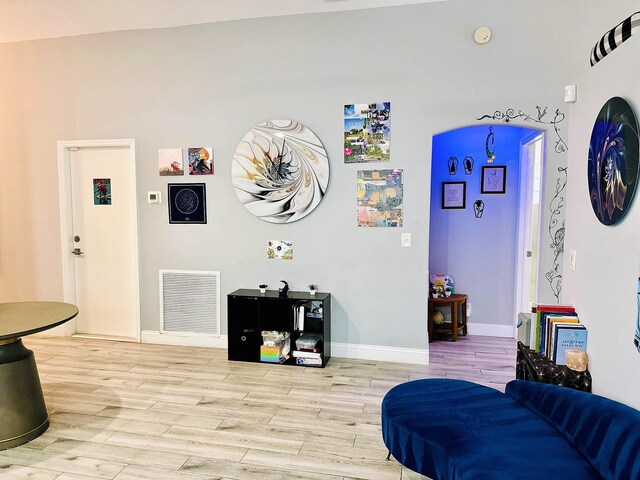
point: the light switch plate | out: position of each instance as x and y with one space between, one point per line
405 240
572 259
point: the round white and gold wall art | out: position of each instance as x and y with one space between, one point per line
280 171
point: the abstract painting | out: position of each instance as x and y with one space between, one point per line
187 203
280 171
102 191
280 250
170 162
612 167
379 197
367 128
200 161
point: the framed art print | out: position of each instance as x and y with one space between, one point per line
454 195
494 179
187 203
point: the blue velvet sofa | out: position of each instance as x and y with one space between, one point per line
453 429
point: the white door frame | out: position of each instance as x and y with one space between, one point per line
66 220
525 201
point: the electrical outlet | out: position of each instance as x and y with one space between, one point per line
468 309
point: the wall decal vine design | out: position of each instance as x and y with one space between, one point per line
556 227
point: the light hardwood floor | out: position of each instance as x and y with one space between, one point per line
137 411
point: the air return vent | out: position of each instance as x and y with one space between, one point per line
190 302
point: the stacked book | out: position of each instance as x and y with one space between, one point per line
308 349
554 329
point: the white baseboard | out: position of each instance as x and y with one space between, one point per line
375 352
490 330
183 339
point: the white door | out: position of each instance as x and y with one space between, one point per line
103 240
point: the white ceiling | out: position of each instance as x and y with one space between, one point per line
35 19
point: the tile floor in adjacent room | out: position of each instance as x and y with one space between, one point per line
137 411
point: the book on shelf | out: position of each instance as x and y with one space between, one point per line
308 361
551 319
568 336
305 354
536 326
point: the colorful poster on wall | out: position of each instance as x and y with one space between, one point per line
170 162
200 161
367 129
102 191
379 197
279 250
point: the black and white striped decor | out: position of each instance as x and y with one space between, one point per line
614 37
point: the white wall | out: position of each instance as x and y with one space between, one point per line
479 252
207 85
603 286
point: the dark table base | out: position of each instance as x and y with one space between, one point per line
23 414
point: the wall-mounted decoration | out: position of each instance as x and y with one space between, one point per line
615 37
170 162
478 208
280 250
187 203
612 169
467 163
636 339
367 129
494 179
490 146
454 195
453 165
280 171
379 197
102 191
200 161
556 204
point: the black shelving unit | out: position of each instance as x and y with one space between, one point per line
249 313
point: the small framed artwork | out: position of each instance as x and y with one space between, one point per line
454 195
187 203
494 179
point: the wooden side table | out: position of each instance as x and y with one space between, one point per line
457 302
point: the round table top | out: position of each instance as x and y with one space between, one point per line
24 318
455 297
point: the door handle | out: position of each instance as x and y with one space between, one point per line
77 252
529 254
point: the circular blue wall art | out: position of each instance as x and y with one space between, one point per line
280 171
612 169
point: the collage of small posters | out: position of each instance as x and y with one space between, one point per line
279 250
379 196
367 128
171 161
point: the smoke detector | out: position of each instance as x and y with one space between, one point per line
482 35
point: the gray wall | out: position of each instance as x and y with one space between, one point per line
207 85
603 286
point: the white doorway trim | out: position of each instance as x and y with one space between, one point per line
66 223
523 236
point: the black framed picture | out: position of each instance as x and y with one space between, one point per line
494 179
454 195
187 203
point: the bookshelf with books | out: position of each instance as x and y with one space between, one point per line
303 319
554 329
